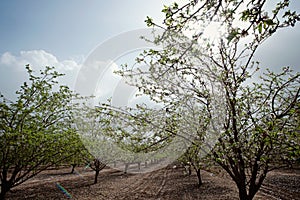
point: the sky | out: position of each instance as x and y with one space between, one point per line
64 33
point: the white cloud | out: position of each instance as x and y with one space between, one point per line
7 59
37 60
13 73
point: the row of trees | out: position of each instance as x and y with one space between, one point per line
212 104
210 94
48 125
37 131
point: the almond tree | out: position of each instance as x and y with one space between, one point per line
136 133
94 132
257 123
192 159
260 132
164 132
35 130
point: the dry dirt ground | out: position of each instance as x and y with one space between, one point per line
167 183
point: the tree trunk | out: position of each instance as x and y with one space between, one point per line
253 189
4 189
243 193
96 176
190 170
126 168
2 195
199 177
73 168
251 196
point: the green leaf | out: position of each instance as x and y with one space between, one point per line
149 21
269 22
259 27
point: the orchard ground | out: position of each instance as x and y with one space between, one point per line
167 183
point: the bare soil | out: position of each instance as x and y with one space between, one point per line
167 183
